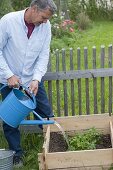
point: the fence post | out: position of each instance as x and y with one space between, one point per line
95 82
110 78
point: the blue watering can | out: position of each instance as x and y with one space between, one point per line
17 106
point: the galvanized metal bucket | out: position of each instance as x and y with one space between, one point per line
6 159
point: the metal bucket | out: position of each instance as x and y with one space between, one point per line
6 159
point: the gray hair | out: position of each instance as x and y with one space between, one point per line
44 4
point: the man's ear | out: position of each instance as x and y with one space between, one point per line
34 8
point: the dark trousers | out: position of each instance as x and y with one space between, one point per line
43 109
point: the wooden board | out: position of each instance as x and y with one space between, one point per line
83 122
78 159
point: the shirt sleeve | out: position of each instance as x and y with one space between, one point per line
4 69
42 62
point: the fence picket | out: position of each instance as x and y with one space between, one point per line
64 84
95 83
102 80
110 79
57 84
79 82
86 81
50 83
72 84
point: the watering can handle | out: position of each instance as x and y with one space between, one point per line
24 87
30 94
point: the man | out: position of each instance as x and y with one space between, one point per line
24 53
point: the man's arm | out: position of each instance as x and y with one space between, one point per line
5 72
41 65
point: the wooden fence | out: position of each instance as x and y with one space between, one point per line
80 90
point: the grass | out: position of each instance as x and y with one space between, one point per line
32 145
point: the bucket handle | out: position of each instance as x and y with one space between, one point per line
27 89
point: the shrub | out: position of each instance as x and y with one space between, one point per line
61 27
83 21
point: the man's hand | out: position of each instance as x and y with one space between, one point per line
34 87
13 81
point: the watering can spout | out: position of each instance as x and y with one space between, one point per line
41 121
37 122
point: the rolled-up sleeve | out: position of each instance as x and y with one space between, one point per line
4 68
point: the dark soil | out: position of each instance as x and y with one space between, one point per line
105 142
58 143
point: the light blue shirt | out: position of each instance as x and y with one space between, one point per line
20 56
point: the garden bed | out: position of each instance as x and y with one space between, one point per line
56 156
58 143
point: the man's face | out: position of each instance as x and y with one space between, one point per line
39 17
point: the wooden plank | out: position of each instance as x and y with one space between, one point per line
46 148
46 140
86 168
110 96
102 81
110 78
95 82
72 85
87 96
77 74
41 161
79 81
64 84
93 158
80 123
111 132
58 85
94 167
86 81
79 97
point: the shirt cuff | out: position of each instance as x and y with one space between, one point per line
37 77
9 74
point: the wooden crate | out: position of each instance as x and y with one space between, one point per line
98 159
